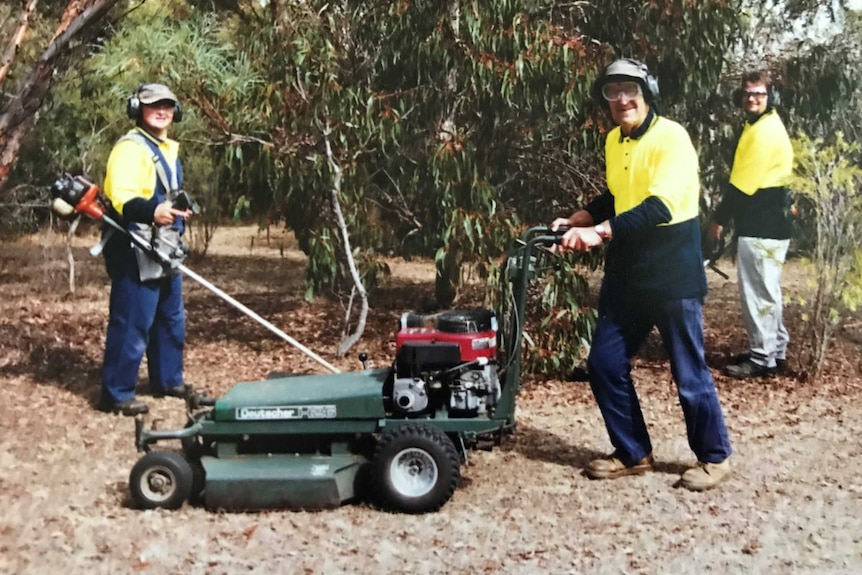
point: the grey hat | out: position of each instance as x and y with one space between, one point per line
152 93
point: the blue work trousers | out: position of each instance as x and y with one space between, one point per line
619 334
144 317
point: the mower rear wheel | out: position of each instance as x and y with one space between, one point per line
415 469
161 480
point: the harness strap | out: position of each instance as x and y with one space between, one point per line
167 177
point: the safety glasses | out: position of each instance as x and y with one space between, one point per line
755 94
614 91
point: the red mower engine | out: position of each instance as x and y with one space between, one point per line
446 361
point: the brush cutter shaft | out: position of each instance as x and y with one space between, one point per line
258 319
203 282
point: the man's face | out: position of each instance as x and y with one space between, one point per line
627 104
158 116
754 98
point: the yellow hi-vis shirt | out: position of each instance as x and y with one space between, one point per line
764 155
661 162
131 172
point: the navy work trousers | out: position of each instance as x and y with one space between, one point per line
619 333
144 317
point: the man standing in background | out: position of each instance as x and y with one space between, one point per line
757 200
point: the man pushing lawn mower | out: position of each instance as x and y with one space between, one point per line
654 276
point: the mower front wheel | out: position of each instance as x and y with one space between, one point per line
161 480
415 469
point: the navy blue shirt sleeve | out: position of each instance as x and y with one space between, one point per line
650 213
727 206
601 207
140 210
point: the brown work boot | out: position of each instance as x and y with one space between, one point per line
611 467
705 476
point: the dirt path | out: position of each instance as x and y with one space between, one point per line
793 506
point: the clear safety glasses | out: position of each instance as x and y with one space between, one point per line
614 91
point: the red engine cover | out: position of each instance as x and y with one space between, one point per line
473 345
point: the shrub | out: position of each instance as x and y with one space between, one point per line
827 178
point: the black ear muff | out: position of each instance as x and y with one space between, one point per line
178 113
737 97
133 104
652 90
773 98
133 108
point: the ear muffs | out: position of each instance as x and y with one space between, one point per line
134 111
773 97
133 105
627 68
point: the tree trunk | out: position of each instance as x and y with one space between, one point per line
349 339
447 281
20 114
17 38
73 9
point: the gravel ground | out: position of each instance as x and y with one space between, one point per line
793 505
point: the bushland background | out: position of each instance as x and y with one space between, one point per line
355 160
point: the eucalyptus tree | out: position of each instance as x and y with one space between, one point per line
446 125
435 128
452 123
79 23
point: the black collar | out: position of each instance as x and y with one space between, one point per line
752 120
642 129
148 135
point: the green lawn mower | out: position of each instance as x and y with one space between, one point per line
397 435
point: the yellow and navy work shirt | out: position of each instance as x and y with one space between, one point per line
652 204
131 176
757 198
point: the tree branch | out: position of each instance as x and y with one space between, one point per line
350 339
21 113
15 41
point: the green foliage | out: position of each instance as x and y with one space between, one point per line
828 179
821 83
562 322
452 123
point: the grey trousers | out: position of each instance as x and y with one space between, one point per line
759 265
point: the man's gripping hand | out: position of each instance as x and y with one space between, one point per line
580 240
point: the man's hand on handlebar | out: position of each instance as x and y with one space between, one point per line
580 235
580 240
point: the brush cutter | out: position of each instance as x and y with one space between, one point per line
74 195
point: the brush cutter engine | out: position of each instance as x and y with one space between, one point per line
75 195
446 362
